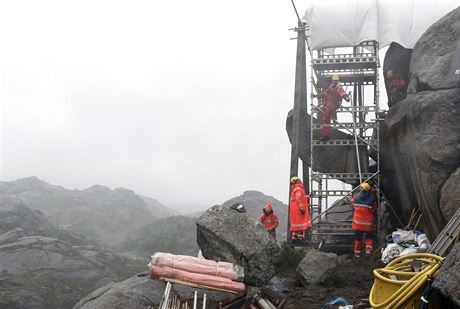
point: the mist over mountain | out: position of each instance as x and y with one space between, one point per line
97 212
43 267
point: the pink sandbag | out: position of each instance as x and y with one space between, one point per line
195 265
200 279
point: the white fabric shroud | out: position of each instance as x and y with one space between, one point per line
346 23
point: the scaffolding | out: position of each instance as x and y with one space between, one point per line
358 70
357 125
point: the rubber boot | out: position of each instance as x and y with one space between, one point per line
369 245
358 247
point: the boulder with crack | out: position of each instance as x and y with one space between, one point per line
227 235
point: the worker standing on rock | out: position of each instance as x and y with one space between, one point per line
299 213
330 101
396 87
269 220
365 207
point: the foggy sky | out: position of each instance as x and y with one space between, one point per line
183 101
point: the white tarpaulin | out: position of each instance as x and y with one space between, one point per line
345 23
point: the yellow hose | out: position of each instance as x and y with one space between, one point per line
390 292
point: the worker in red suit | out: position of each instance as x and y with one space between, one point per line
365 208
299 213
396 87
330 100
269 220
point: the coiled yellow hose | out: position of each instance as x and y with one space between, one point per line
398 286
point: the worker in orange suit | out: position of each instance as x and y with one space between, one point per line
365 207
299 213
330 100
269 220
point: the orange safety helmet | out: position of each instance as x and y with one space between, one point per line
268 208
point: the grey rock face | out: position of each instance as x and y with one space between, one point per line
433 54
135 292
17 219
226 235
448 278
316 267
138 292
420 151
330 159
450 196
41 271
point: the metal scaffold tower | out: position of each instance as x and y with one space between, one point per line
354 136
354 130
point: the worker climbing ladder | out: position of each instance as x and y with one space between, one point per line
354 136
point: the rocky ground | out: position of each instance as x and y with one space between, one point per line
351 279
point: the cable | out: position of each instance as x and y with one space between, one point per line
297 13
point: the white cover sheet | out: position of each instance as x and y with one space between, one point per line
346 23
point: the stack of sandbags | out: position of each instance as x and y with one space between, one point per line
198 272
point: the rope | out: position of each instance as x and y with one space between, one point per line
356 143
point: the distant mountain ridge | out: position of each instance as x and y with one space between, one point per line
43 267
97 212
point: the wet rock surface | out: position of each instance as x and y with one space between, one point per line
448 278
140 291
450 197
227 235
316 267
421 134
433 54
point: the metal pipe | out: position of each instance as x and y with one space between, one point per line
195 298
263 303
204 301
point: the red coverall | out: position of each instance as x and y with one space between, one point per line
365 207
330 100
270 221
299 214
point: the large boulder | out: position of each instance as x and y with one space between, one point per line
448 278
328 159
420 142
316 267
450 197
433 54
227 235
140 292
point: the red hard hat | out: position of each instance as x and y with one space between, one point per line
268 207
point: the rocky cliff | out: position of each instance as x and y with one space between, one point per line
420 151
